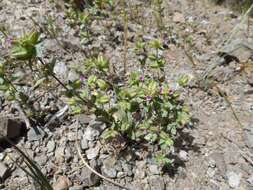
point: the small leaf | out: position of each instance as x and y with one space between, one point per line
103 99
102 84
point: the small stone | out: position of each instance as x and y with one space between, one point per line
211 172
61 70
84 144
2 156
250 181
4 171
127 169
35 134
62 183
212 163
233 179
72 136
183 155
9 128
248 136
84 119
50 146
109 172
156 182
154 169
91 134
88 178
178 17
77 187
92 152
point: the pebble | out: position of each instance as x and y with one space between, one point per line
154 169
90 134
35 134
183 155
88 178
92 152
156 182
250 181
62 183
2 156
3 171
61 70
77 187
50 146
233 179
84 144
248 136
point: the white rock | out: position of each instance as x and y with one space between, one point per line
61 70
233 179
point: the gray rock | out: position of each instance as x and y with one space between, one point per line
248 136
154 169
9 128
211 172
72 136
218 159
109 172
233 179
156 183
4 171
50 146
77 187
92 152
231 155
41 160
84 144
250 181
35 134
2 156
127 169
91 134
108 169
85 119
88 178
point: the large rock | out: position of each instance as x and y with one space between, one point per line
9 128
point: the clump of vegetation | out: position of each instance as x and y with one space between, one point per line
141 107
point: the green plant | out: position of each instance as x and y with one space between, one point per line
142 109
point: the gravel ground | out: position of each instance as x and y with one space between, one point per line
216 153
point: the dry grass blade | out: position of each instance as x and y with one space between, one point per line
94 171
33 170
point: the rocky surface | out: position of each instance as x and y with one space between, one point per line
214 154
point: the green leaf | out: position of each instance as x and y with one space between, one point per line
152 88
103 99
183 80
20 53
102 84
92 81
156 44
183 118
33 38
162 160
151 137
